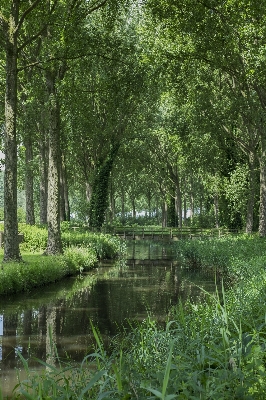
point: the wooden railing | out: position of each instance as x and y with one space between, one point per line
168 233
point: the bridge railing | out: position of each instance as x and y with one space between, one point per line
172 233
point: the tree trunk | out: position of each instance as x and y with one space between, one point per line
123 205
65 209
30 218
185 211
192 202
11 244
54 244
174 175
164 214
88 191
43 171
112 201
133 207
216 210
251 194
178 203
262 221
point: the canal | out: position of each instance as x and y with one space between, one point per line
112 297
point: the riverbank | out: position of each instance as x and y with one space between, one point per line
212 350
81 253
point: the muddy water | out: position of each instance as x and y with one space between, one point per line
149 283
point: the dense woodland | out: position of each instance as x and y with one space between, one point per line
118 106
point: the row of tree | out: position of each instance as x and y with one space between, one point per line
109 102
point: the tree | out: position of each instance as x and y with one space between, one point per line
12 17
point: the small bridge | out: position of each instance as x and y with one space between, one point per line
138 233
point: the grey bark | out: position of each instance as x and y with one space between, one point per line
43 172
11 243
30 218
64 203
54 244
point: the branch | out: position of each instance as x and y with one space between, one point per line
97 6
32 38
63 58
26 12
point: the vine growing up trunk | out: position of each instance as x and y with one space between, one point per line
99 198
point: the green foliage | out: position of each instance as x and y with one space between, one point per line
81 252
100 190
40 270
35 238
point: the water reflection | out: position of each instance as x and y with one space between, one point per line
60 315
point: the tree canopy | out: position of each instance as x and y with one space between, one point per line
118 107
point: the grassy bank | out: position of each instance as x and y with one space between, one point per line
214 350
81 253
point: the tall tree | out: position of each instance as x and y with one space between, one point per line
12 17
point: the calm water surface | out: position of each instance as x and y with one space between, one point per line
109 296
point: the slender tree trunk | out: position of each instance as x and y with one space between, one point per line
30 218
216 210
174 175
192 201
133 207
164 214
54 244
262 221
123 204
43 172
11 244
185 210
112 201
64 203
251 194
178 202
88 191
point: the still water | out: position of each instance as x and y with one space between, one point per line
110 296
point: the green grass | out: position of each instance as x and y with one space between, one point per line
81 253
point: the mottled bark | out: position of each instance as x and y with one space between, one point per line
11 243
88 191
30 218
54 244
64 203
43 173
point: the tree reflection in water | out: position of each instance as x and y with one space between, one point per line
150 282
